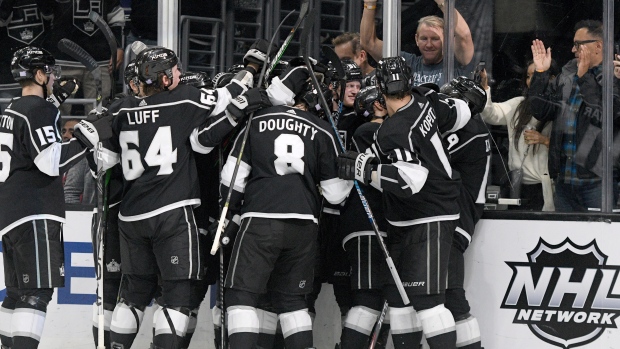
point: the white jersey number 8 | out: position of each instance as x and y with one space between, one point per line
290 150
160 153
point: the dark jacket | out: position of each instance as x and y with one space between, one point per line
550 102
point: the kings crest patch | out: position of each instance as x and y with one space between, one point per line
26 24
81 9
566 294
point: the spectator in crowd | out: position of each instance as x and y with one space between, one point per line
71 21
79 184
142 26
528 142
573 101
428 67
347 46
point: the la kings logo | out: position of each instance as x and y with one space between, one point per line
81 9
26 24
564 293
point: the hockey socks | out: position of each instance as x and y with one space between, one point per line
126 321
267 323
406 328
243 327
27 324
191 328
6 314
357 327
170 327
438 326
468 333
107 320
297 329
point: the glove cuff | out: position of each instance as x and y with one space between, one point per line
362 173
86 133
255 56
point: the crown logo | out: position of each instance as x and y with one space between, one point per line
26 34
89 26
113 267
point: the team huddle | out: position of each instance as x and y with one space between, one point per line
325 174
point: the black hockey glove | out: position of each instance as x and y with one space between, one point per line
229 233
248 102
222 79
358 166
62 90
94 129
258 52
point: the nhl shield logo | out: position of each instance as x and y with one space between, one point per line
302 284
81 9
113 266
26 278
26 24
564 293
174 259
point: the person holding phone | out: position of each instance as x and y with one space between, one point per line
528 139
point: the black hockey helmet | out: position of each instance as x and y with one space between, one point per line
131 73
196 79
153 61
26 60
468 90
365 99
310 96
393 76
351 70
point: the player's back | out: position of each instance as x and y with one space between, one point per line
290 152
156 155
28 127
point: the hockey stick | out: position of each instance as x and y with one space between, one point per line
78 53
303 12
304 41
103 178
375 333
109 36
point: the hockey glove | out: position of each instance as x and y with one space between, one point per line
94 129
229 233
249 102
222 79
62 90
358 166
258 52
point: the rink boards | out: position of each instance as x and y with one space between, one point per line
535 284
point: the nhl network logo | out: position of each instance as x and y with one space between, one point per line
565 293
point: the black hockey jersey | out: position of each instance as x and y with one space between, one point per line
26 25
353 217
470 156
288 156
416 176
154 139
32 158
347 122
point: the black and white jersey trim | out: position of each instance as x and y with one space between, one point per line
31 218
242 174
464 233
307 217
424 220
361 233
468 141
463 114
190 202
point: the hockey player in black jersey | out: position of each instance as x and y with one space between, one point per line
289 158
362 249
470 156
420 195
154 139
333 264
31 159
